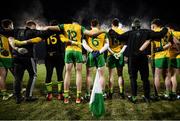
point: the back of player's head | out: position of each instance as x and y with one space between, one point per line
94 22
170 25
53 23
115 22
6 23
74 19
157 22
136 24
30 24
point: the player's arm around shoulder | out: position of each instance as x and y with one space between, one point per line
92 33
53 28
18 43
106 45
13 43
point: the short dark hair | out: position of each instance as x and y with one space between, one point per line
115 22
6 22
74 19
30 23
157 22
94 22
53 22
170 25
136 23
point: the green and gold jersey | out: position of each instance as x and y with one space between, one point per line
73 32
174 52
96 43
4 46
165 40
176 34
114 44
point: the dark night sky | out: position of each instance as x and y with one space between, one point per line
104 10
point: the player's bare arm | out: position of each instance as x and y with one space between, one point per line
53 28
93 34
106 46
86 46
145 45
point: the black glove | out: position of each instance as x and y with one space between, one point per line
4 52
95 54
159 49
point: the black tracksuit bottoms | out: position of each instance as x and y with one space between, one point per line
54 62
135 64
20 65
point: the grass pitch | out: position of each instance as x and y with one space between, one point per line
116 109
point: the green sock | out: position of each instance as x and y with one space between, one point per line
111 90
88 92
78 94
4 92
167 93
49 87
133 98
66 93
121 89
173 93
60 84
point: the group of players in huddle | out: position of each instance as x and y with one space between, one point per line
64 45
